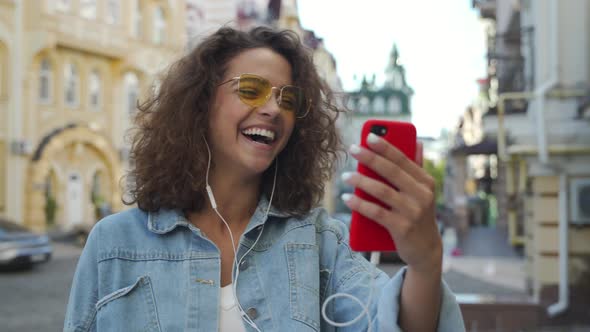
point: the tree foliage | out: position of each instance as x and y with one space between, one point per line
437 171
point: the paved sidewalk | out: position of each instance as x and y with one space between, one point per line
487 242
463 279
503 272
488 267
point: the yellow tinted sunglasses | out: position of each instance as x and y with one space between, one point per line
255 91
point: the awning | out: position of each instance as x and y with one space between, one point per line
487 146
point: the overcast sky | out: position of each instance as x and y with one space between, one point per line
441 45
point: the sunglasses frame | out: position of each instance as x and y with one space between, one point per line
267 98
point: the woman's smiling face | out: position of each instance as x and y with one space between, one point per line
234 126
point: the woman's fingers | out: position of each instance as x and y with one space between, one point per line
390 152
384 193
390 219
410 212
393 171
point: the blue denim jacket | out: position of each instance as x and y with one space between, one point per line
146 271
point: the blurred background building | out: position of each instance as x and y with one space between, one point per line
389 101
72 72
526 143
71 75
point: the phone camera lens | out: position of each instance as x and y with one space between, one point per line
379 130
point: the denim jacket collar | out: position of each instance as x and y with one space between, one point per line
166 220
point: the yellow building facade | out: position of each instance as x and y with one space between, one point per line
70 77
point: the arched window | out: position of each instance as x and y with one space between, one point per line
131 93
378 105
72 85
94 90
159 25
45 81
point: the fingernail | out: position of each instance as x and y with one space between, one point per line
354 149
346 175
372 138
346 197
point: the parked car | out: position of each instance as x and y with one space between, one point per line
21 247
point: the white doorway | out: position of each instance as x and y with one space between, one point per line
74 199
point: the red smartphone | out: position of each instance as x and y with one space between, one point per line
365 234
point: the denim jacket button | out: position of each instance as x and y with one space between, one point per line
252 313
244 265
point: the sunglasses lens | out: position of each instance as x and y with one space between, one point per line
291 99
253 90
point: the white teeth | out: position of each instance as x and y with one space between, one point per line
260 132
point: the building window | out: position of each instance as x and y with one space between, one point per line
113 12
94 93
364 105
88 9
45 78
137 20
63 5
351 103
159 25
72 84
394 105
194 17
379 105
131 93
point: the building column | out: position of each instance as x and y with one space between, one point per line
16 163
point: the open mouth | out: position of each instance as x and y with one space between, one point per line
259 135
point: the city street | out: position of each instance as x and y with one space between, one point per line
35 299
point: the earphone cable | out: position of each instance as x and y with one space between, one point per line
365 307
235 270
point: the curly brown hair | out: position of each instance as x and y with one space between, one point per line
167 149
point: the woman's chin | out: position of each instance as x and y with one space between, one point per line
260 168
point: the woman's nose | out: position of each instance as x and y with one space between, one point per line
271 107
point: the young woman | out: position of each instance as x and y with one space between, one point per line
230 159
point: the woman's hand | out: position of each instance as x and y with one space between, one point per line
411 218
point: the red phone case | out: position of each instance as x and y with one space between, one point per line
365 234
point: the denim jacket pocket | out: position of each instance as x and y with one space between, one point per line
132 308
304 284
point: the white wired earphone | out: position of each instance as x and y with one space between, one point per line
236 270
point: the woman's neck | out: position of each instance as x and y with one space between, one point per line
236 197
